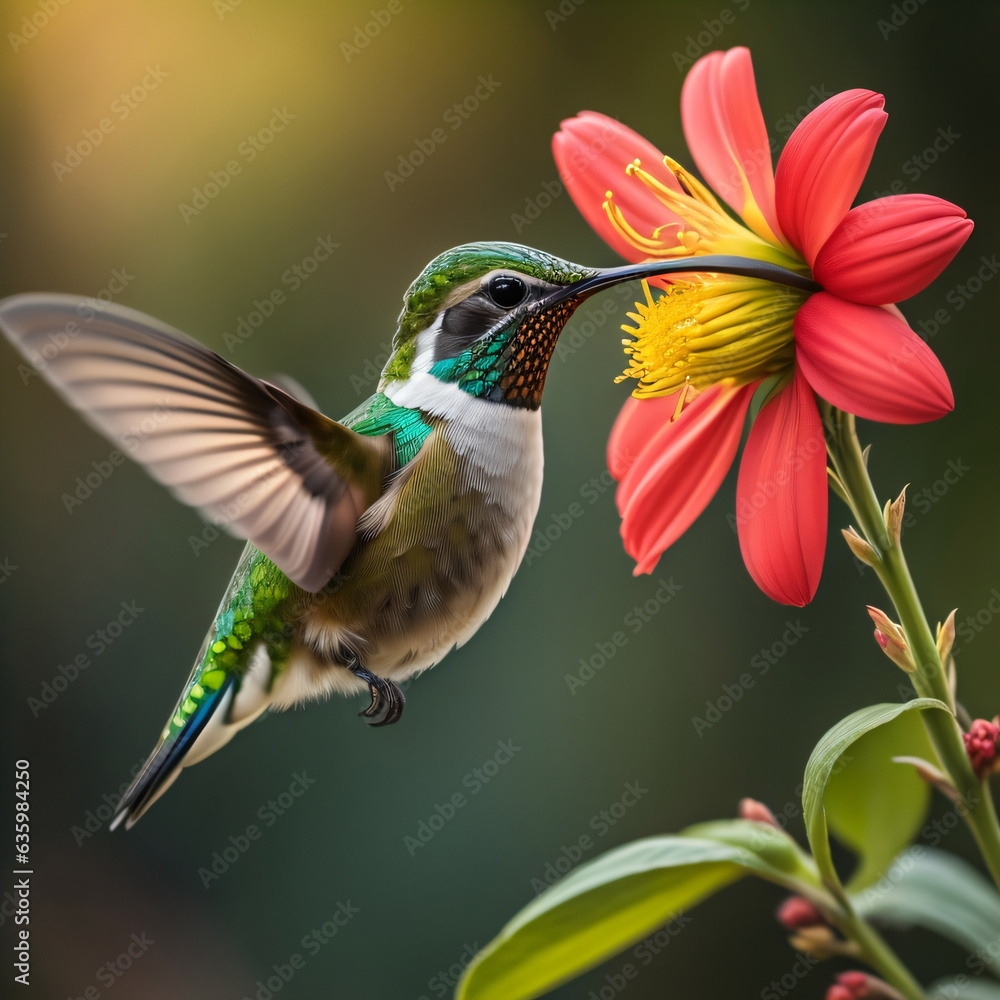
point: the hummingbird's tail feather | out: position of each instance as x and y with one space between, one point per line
230 686
193 735
165 762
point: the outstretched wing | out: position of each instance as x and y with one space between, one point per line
249 456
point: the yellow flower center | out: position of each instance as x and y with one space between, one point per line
710 329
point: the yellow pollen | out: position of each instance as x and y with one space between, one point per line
701 332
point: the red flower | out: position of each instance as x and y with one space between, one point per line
705 345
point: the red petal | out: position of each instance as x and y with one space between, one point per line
726 134
637 423
674 478
889 249
866 361
821 167
781 499
592 152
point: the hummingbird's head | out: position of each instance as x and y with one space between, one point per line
486 316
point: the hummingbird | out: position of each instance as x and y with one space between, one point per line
374 544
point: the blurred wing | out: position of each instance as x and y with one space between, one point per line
249 456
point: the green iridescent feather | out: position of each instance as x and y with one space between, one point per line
249 614
426 296
380 415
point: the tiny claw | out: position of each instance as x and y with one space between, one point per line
387 702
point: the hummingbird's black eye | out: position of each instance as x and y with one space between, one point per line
507 291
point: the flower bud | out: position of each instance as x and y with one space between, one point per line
859 986
946 638
758 812
981 745
820 942
890 637
859 546
797 912
894 517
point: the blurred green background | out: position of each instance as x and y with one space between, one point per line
208 76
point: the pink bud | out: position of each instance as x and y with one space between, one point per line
797 911
850 986
981 745
758 812
855 981
839 992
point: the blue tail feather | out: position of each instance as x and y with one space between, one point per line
165 761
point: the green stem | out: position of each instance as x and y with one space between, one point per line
929 680
880 956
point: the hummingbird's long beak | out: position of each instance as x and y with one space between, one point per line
710 263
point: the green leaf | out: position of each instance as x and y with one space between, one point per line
942 893
873 805
824 759
772 845
617 899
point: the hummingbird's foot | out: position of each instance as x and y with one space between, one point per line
387 700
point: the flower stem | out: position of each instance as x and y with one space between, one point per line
880 956
929 680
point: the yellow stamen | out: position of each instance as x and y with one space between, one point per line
706 227
701 332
